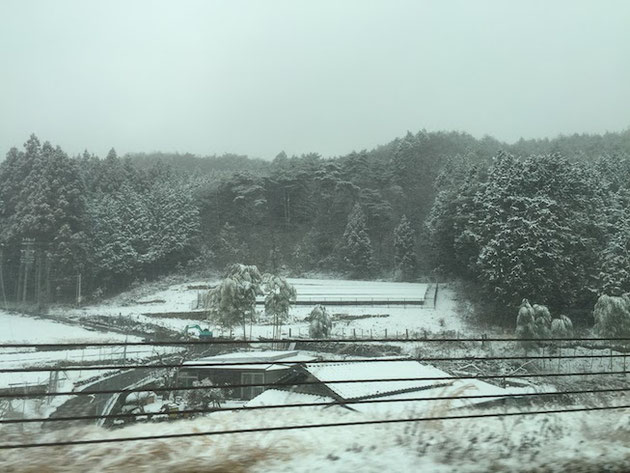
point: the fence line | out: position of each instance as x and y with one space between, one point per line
216 341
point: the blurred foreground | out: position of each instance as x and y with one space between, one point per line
576 442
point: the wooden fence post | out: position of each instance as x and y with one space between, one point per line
435 295
611 360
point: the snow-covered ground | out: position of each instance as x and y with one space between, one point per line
581 441
23 358
334 289
24 329
552 443
360 320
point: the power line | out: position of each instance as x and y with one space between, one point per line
17 395
314 404
61 346
304 427
192 364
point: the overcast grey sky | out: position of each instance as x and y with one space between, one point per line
258 77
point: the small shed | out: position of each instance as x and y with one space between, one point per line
246 367
385 386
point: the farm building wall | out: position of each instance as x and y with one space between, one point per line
231 377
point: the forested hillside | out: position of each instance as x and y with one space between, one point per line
542 227
546 218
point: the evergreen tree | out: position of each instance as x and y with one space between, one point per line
614 276
115 259
358 247
47 212
228 247
454 246
173 220
541 222
404 250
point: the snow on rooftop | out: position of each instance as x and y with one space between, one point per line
245 357
380 372
439 395
272 397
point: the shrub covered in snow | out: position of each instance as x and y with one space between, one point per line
536 322
321 323
233 301
279 295
612 316
205 397
525 321
561 327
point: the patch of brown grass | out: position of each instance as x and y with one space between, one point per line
242 464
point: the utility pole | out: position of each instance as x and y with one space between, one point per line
79 289
4 294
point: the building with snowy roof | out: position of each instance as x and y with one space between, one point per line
246 367
375 386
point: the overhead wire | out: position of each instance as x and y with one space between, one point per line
303 427
332 403
193 364
61 346
18 395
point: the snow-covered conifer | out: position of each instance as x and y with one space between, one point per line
358 247
404 251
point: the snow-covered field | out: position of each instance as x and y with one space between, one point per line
334 289
139 305
24 329
578 442
146 306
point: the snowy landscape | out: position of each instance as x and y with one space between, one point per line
175 307
314 236
160 305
